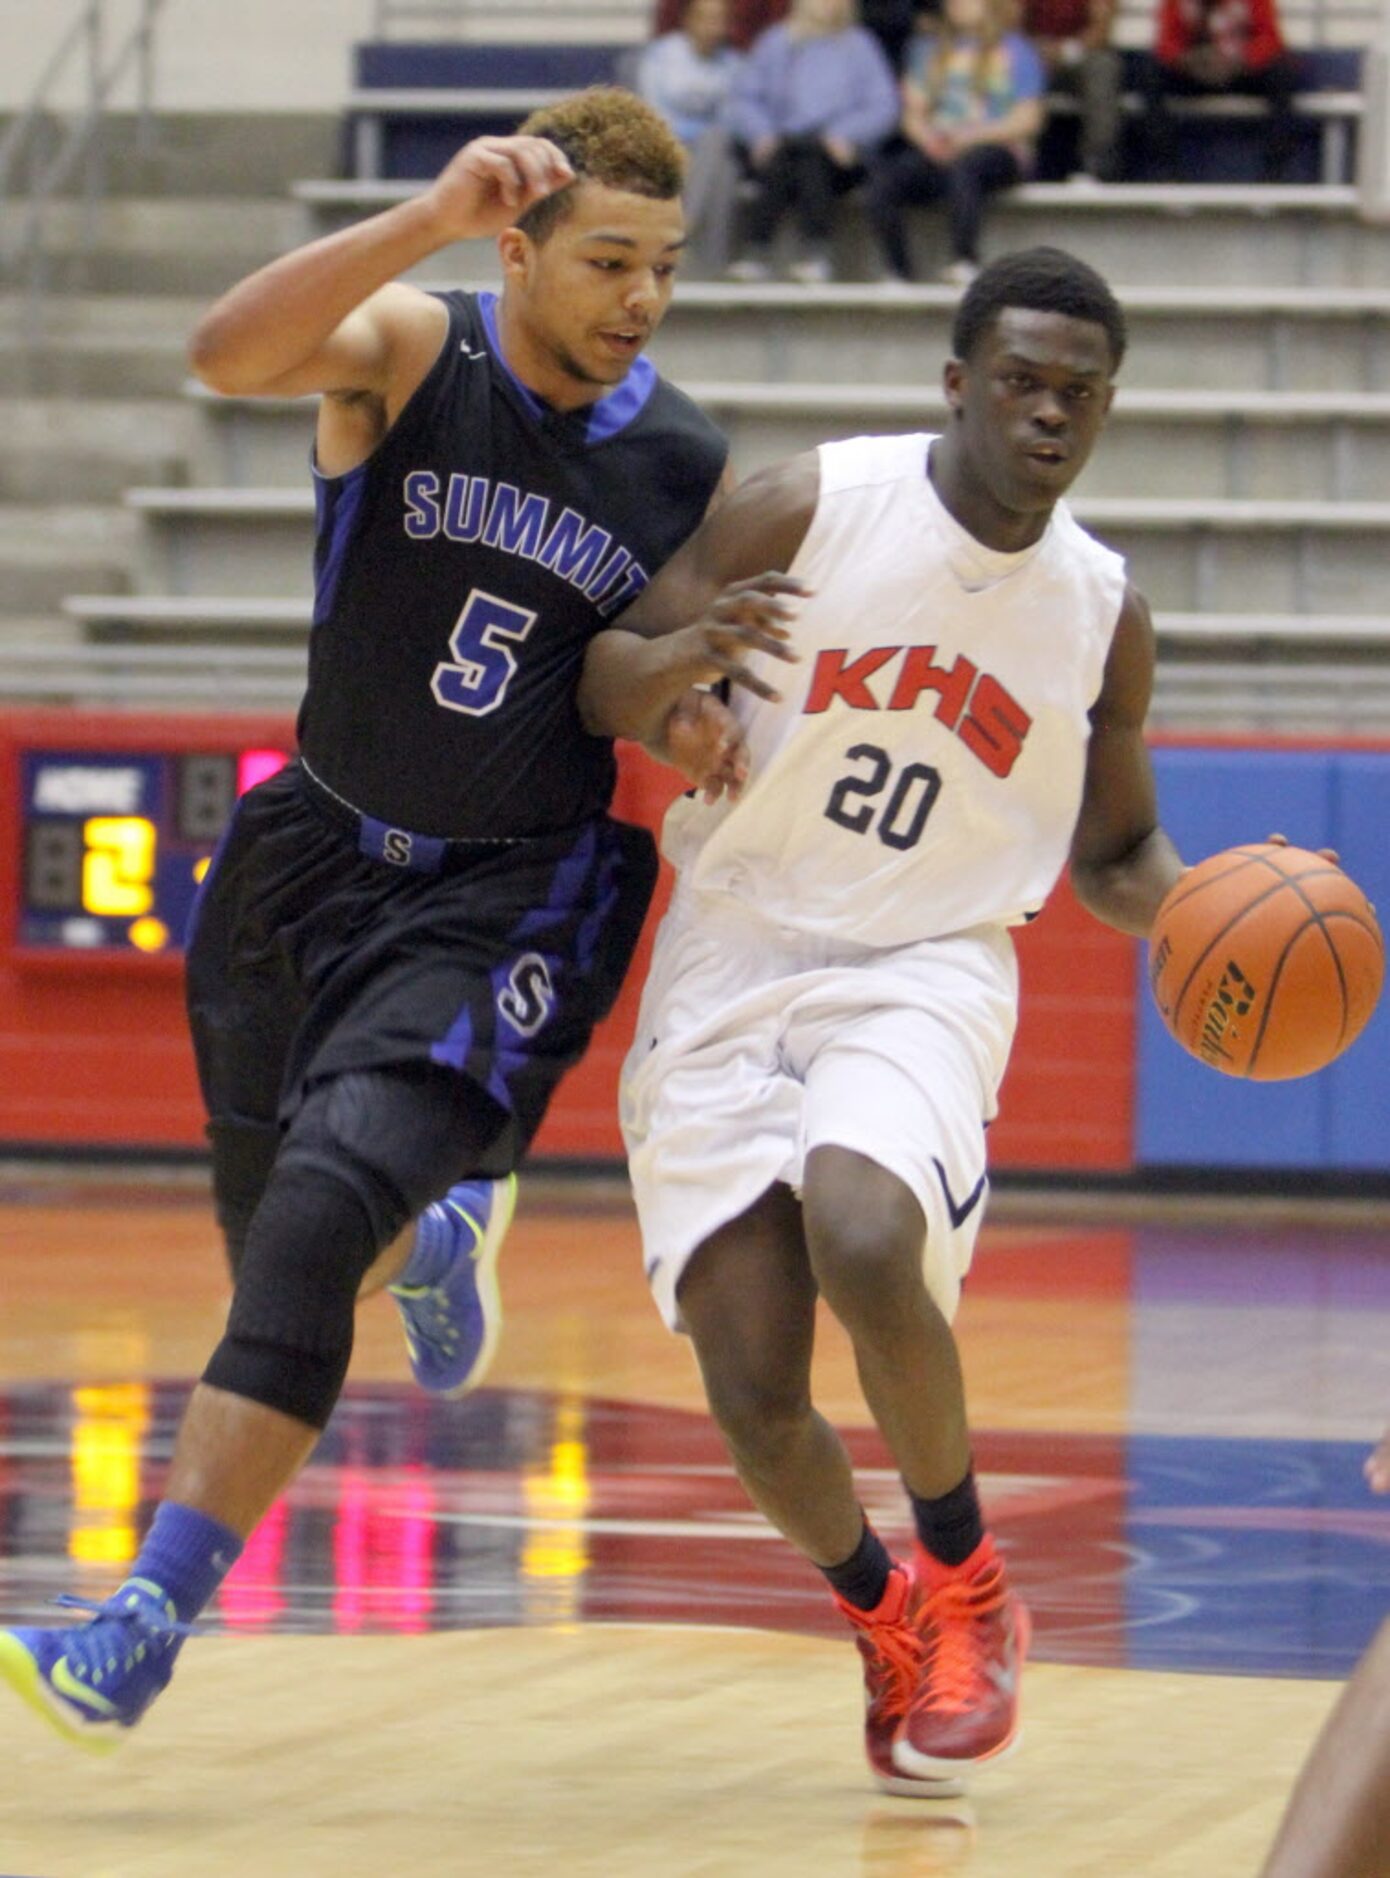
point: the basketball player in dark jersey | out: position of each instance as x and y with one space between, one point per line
408 935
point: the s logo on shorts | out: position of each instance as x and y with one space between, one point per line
528 997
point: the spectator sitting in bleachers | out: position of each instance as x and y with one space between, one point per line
688 76
747 18
972 111
892 23
815 100
1206 47
1073 37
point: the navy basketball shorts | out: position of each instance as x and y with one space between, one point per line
308 957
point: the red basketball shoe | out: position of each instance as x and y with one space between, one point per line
975 1635
891 1645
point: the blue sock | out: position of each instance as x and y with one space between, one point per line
187 1554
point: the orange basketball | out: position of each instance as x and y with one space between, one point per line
1266 962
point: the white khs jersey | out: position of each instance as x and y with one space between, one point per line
923 772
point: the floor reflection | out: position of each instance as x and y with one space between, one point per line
523 1507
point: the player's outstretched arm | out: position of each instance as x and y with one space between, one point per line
722 597
323 318
1122 863
1337 1823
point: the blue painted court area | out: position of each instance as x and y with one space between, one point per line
1255 1557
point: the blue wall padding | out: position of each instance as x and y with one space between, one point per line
1189 1116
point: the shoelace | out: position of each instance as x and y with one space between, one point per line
956 1619
90 1652
894 1655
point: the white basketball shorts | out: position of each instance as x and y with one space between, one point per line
756 1043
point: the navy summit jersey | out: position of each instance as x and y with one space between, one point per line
461 572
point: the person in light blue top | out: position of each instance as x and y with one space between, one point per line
813 103
688 75
972 110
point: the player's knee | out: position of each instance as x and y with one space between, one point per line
400 1137
867 1260
761 1412
289 1332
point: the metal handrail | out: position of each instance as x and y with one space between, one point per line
48 170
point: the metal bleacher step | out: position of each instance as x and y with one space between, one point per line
1266 444
1188 553
177 616
1225 234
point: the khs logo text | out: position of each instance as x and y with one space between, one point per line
989 721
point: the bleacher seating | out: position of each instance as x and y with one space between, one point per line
1242 475
412 105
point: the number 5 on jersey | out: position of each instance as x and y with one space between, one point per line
475 681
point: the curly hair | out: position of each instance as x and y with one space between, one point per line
1043 280
612 137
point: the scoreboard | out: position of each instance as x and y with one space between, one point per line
115 843
113 828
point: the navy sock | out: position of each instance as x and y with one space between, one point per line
187 1554
863 1577
950 1528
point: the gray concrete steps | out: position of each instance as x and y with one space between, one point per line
1140 233
1271 445
1188 553
211 677
156 616
1225 338
46 549
1255 672
90 450
157 245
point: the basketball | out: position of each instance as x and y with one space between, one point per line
1266 962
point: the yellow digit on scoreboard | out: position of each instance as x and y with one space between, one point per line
118 866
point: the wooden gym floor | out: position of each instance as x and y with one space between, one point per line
540 1630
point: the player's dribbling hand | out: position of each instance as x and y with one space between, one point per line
491 183
704 740
746 617
1282 841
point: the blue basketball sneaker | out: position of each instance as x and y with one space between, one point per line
94 1679
447 1295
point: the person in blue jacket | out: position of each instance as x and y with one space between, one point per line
813 103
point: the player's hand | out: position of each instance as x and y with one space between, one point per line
1282 841
1378 1465
746 617
491 183
704 740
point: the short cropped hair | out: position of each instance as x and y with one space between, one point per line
612 137
1043 280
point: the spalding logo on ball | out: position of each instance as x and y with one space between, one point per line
1266 961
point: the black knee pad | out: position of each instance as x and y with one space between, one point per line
399 1137
289 1331
243 1154
365 1153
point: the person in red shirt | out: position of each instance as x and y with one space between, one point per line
1073 38
747 18
1209 46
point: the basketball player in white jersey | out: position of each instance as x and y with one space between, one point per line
832 997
